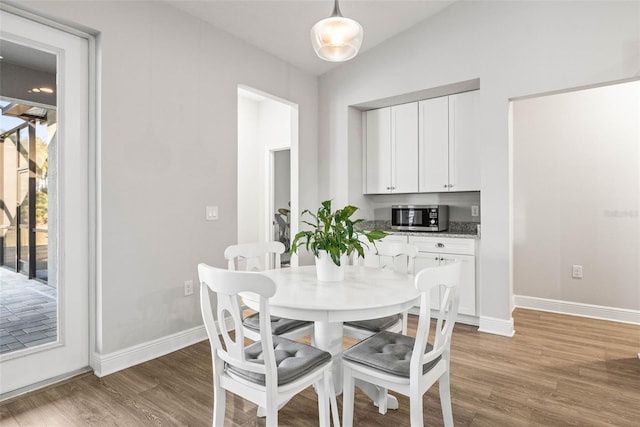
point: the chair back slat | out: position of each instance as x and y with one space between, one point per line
227 285
227 307
395 255
254 256
446 277
399 256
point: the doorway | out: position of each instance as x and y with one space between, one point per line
267 162
44 189
576 201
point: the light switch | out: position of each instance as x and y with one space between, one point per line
212 213
475 211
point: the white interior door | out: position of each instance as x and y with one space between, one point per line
69 237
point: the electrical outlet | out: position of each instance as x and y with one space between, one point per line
188 287
576 272
475 211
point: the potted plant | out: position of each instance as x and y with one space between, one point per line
332 238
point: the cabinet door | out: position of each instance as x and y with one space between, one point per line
424 260
433 147
378 151
404 148
467 286
464 149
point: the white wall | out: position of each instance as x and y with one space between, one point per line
248 171
274 131
576 159
262 125
516 49
168 148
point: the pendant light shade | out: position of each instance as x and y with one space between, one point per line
336 38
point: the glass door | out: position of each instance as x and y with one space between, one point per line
44 205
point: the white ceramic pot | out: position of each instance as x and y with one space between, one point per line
327 270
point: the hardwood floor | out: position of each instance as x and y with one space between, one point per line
556 371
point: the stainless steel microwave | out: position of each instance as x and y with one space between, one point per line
420 217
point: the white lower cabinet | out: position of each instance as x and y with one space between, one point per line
433 251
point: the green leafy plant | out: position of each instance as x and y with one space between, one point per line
334 233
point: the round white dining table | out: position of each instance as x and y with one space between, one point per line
365 293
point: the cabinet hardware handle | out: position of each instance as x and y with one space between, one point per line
388 188
440 245
450 185
445 186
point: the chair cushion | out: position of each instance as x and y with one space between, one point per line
279 325
375 325
293 360
387 352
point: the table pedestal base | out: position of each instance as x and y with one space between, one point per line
327 336
380 398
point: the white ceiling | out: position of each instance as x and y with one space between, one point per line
282 28
27 57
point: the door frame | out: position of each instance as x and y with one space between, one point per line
66 203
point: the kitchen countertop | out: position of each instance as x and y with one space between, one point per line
434 234
459 230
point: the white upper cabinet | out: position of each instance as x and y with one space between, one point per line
391 149
378 151
448 148
464 149
434 145
404 141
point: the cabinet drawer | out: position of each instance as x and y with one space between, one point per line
444 245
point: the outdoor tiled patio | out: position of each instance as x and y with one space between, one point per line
28 315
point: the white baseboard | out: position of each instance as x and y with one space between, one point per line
492 325
462 318
105 364
613 314
468 320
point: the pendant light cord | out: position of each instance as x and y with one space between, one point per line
336 10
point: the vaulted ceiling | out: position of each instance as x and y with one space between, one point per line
282 28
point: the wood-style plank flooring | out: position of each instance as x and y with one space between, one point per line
556 371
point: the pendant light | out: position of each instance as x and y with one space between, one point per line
336 38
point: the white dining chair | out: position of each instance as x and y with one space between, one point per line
259 257
268 372
401 258
408 365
